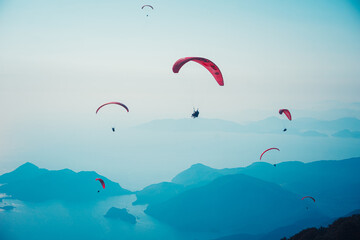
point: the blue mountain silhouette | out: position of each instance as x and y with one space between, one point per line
232 203
30 183
336 184
157 193
196 199
347 134
302 126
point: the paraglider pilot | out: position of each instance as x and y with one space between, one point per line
195 114
113 129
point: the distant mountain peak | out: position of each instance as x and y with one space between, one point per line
199 165
28 166
196 173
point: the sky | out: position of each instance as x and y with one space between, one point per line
60 60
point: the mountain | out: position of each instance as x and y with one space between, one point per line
25 171
30 183
347 134
290 230
344 228
157 193
312 133
357 211
282 232
335 184
232 203
299 126
197 174
326 126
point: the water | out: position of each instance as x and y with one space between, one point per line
59 220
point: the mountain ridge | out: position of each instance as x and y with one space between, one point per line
324 179
218 206
309 127
31 183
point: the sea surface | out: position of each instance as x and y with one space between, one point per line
84 220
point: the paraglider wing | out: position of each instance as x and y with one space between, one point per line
123 105
101 181
147 6
286 112
268 150
209 65
308 197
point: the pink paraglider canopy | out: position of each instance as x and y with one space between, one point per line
101 181
209 65
268 150
287 113
308 197
123 105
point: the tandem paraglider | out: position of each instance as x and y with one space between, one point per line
195 113
206 63
209 65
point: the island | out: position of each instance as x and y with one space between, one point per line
7 208
121 214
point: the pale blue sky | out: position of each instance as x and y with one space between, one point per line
59 60
272 53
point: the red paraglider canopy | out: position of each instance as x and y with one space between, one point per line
113 103
287 113
209 65
268 150
101 181
308 197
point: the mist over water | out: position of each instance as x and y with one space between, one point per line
136 158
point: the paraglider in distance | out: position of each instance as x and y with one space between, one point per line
195 114
147 6
117 103
308 197
286 112
209 65
123 105
268 150
101 181
307 208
